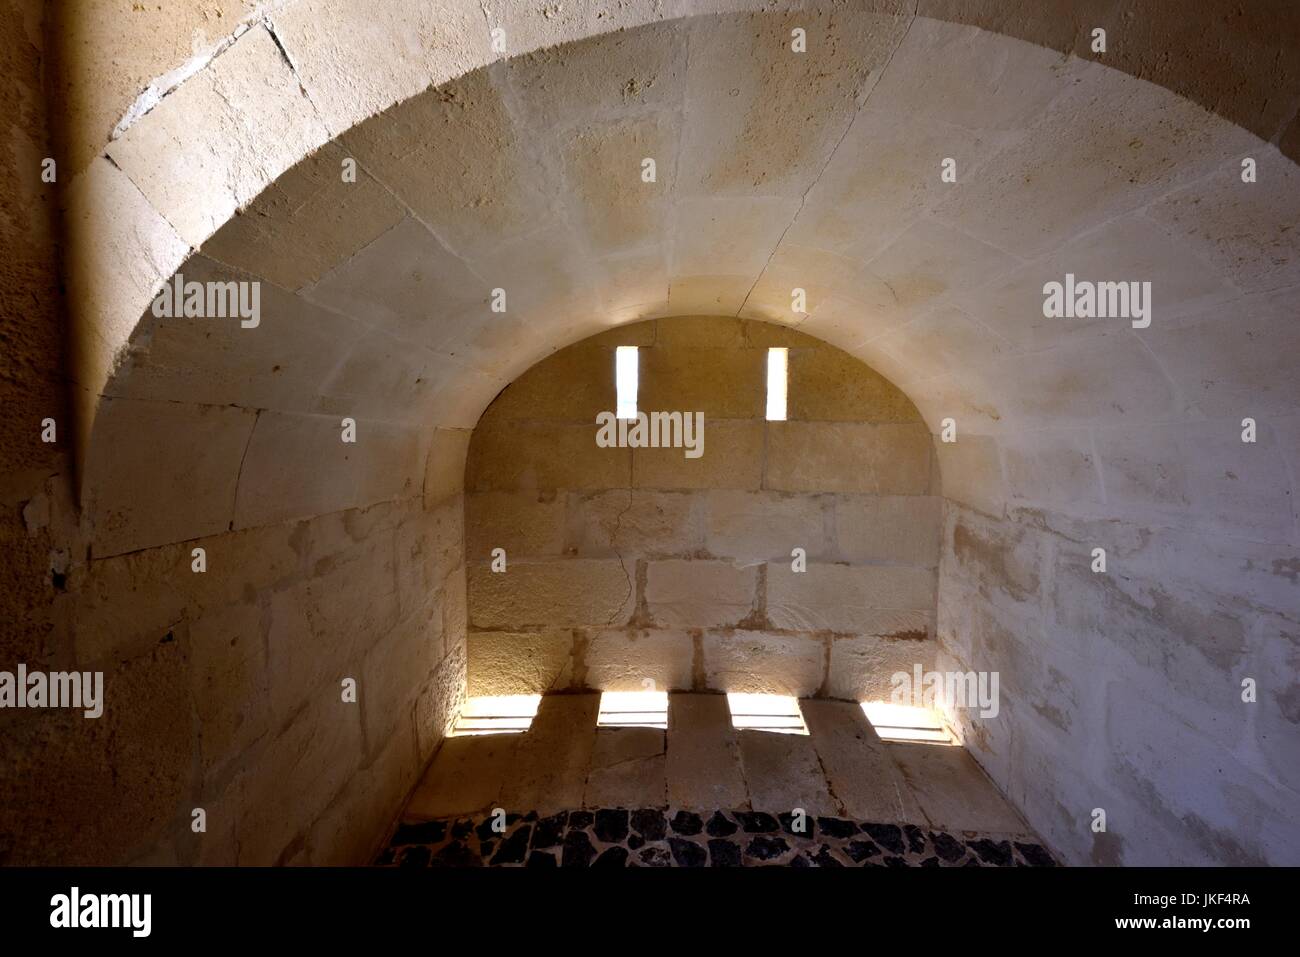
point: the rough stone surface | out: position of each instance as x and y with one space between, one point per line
703 565
1064 157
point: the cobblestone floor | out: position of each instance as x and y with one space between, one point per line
618 837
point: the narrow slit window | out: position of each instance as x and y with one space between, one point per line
625 378
776 382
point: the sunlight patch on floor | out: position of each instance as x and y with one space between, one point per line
496 714
633 709
899 722
777 713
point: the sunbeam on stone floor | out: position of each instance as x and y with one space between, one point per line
711 789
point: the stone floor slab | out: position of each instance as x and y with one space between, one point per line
627 769
861 775
554 755
953 791
466 776
782 773
703 754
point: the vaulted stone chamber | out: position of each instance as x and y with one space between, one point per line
217 152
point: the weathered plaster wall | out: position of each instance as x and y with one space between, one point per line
635 568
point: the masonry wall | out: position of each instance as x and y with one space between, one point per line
1136 673
222 688
223 691
636 568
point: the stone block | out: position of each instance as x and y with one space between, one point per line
351 830
848 457
319 627
1198 475
572 385
858 769
545 456
626 660
513 663
703 767
295 775
722 382
861 668
396 667
306 222
230 689
552 760
465 777
634 522
439 703
972 472
700 594
474 179
757 662
847 599
783 774
728 130
1244 232
197 175
603 166
952 791
391 53
143 496
571 591
526 524
296 466
627 769
559 88
902 529
732 458
1052 468
1133 142
280 363
727 235
761 526
828 385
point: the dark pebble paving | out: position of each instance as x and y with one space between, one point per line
721 826
650 823
688 853
681 837
687 822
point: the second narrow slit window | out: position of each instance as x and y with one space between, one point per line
776 380
625 380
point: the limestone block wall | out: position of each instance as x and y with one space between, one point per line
224 691
1137 672
626 567
172 119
